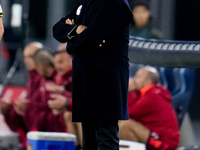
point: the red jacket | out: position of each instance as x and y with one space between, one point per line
66 81
33 95
44 119
16 121
152 108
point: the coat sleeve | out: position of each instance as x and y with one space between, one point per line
109 18
63 32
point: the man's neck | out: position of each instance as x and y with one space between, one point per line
146 88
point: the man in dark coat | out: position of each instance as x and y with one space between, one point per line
97 32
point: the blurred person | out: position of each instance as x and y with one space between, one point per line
33 82
46 120
142 25
18 114
63 66
1 23
97 36
152 118
44 63
34 79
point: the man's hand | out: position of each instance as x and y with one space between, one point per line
20 106
80 29
100 45
70 22
50 86
132 85
57 101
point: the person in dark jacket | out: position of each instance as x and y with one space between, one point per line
97 32
142 25
152 120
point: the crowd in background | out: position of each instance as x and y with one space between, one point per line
48 104
143 24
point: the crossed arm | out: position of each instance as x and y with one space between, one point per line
108 20
80 28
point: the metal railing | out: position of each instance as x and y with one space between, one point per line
165 53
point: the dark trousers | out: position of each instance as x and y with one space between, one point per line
100 136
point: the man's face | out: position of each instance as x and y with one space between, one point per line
29 62
141 16
63 63
131 85
41 70
140 80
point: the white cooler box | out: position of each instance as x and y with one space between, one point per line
50 141
131 145
9 141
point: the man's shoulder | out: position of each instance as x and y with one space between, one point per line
159 91
34 76
158 87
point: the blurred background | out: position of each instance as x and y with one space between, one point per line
176 19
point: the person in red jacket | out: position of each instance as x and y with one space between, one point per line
46 119
59 102
152 118
18 115
63 80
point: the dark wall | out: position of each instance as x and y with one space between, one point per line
38 18
69 5
194 109
188 28
187 18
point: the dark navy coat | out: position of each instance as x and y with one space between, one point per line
100 74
